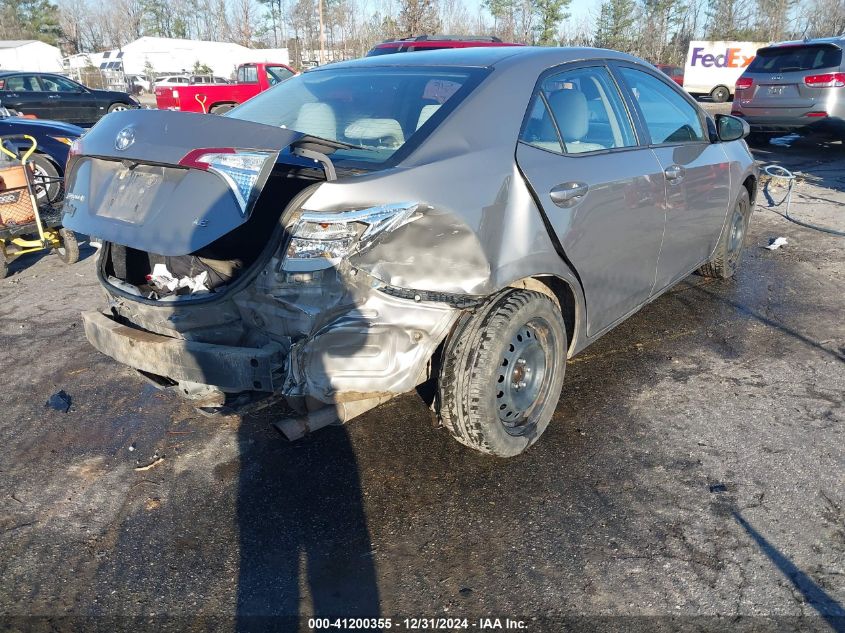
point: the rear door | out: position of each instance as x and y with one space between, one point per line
696 170
791 81
602 192
24 94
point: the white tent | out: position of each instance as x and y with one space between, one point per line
29 55
167 55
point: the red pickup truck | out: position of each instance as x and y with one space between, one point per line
220 98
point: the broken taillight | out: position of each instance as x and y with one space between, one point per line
827 80
242 169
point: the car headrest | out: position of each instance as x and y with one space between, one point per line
571 113
317 119
387 130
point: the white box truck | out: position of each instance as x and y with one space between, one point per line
712 68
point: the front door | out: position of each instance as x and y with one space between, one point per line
73 103
697 178
602 192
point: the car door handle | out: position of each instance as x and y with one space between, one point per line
674 173
568 193
53 97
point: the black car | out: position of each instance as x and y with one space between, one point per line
51 96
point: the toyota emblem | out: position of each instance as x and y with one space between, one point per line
124 138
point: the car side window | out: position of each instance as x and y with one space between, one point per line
539 129
23 83
247 75
589 111
668 116
58 84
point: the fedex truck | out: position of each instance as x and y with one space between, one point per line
712 68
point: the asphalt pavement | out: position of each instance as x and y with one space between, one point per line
693 476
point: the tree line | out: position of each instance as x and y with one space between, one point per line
657 30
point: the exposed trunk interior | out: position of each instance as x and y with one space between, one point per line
221 261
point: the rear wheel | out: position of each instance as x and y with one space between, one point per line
720 94
68 250
725 260
502 373
223 108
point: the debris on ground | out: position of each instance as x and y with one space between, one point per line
716 488
59 401
156 461
776 243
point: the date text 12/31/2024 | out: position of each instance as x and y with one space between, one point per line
416 624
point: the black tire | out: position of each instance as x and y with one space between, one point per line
726 259
720 94
223 108
48 184
481 375
118 107
68 252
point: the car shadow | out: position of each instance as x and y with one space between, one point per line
305 548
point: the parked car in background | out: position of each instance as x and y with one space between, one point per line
171 80
795 86
435 42
468 217
52 96
219 99
54 140
206 79
137 84
675 73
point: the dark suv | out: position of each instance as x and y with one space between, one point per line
434 42
794 86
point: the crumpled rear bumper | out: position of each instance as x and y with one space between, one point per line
230 369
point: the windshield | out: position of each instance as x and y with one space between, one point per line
378 110
784 59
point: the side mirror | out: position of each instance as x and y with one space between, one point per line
731 128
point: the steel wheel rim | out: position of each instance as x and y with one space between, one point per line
119 108
524 374
737 235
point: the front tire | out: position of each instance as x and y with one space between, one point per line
725 260
119 107
502 373
48 186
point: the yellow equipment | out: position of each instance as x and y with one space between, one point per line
26 226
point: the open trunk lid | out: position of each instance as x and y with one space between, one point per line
168 182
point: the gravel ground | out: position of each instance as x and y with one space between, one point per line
693 476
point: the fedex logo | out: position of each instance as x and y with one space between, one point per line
733 58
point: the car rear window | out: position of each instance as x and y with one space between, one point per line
379 111
784 59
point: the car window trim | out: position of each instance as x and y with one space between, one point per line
628 95
576 65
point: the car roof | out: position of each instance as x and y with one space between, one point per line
838 40
486 56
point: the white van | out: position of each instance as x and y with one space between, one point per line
712 68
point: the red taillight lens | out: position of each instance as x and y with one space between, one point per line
744 82
816 115
827 80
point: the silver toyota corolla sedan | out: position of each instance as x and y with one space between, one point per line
463 218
